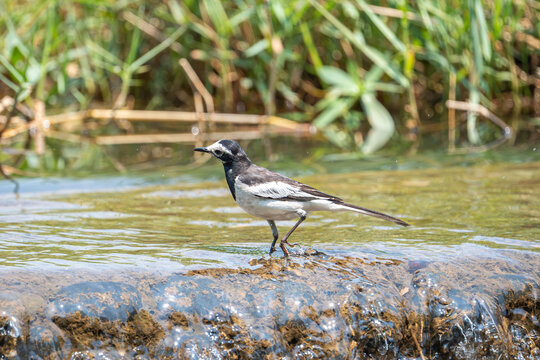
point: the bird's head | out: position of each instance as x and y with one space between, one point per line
228 151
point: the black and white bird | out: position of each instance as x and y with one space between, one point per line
272 196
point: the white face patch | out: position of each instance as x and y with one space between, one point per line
218 149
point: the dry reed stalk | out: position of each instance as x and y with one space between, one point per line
180 116
38 126
50 120
483 111
16 121
70 116
200 130
41 124
149 29
185 116
171 138
8 170
6 102
197 83
395 13
190 138
530 40
9 133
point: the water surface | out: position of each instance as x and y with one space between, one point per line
111 222
177 256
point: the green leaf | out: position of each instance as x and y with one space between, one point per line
177 12
33 73
382 124
357 40
157 49
483 30
279 12
339 79
374 74
242 16
310 45
288 93
385 30
11 69
332 112
350 10
256 48
336 136
134 45
217 14
8 82
384 87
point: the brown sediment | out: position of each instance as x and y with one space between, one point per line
85 332
178 319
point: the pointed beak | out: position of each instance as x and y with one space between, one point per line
202 149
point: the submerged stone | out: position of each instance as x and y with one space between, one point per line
104 300
45 341
316 307
10 333
326 309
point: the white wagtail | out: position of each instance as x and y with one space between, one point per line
271 196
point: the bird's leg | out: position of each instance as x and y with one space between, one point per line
284 240
275 234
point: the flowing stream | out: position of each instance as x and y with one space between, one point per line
168 266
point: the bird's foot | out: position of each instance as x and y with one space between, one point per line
291 245
272 250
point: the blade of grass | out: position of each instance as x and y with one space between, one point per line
482 29
157 49
47 48
308 41
217 14
385 30
358 41
11 69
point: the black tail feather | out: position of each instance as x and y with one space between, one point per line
374 213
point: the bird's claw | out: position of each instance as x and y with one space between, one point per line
290 245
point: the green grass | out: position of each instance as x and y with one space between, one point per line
364 73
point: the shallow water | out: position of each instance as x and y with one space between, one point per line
100 253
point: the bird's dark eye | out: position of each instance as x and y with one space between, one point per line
218 152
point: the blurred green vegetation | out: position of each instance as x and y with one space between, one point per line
362 72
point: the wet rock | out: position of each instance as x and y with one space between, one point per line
279 308
44 341
104 300
520 312
326 309
10 328
86 332
10 332
305 307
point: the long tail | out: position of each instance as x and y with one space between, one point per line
374 213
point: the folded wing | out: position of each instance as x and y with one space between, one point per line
269 185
